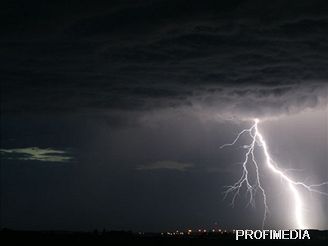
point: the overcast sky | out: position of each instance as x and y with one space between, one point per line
112 115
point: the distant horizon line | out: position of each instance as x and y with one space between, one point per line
96 230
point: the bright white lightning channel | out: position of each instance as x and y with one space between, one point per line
257 139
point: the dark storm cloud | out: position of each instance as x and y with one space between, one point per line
170 165
228 56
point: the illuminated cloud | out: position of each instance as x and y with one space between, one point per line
258 101
171 165
36 154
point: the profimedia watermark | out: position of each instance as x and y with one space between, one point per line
272 234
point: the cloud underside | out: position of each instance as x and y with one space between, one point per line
238 58
169 165
36 154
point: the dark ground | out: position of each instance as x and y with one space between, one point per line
128 238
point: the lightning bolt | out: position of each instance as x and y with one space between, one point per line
257 139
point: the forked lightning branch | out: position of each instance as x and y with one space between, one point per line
257 140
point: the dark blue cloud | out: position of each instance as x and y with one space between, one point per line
155 54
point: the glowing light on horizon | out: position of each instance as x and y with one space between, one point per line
257 139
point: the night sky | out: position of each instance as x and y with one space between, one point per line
113 112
